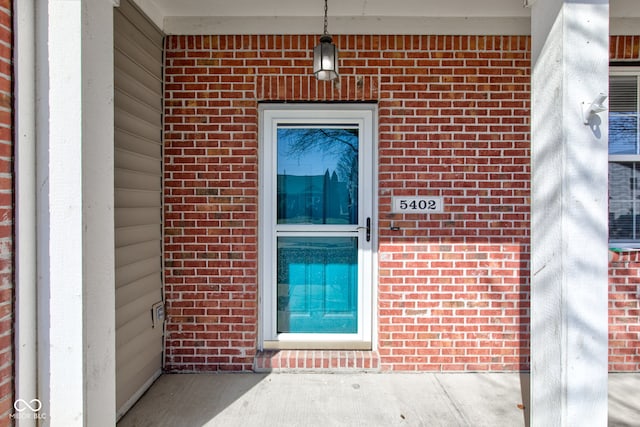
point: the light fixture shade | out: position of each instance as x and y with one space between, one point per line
325 59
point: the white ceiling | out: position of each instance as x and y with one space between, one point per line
350 16
341 7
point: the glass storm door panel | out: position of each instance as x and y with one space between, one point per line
317 284
317 189
317 175
317 225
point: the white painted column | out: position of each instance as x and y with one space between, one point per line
25 206
75 233
569 214
98 213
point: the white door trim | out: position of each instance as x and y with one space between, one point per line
270 116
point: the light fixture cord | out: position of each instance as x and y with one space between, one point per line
325 18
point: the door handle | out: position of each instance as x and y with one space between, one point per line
368 228
368 233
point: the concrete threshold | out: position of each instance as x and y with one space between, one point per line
355 399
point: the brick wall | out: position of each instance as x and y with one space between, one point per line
624 311
624 268
453 288
6 216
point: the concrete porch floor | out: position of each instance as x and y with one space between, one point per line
354 399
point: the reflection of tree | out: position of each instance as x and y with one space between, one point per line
340 143
343 143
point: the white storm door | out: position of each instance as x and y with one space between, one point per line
317 231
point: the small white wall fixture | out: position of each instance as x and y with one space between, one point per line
591 109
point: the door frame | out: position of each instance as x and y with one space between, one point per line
269 114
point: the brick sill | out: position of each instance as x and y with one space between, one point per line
316 361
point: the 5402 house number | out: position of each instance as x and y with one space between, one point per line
416 205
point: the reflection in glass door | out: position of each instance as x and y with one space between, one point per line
317 284
317 226
317 184
317 175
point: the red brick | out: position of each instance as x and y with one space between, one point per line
435 138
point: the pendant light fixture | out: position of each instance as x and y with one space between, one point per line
325 55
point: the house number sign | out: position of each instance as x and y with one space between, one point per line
417 205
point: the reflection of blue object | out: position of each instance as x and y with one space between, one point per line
623 133
317 284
